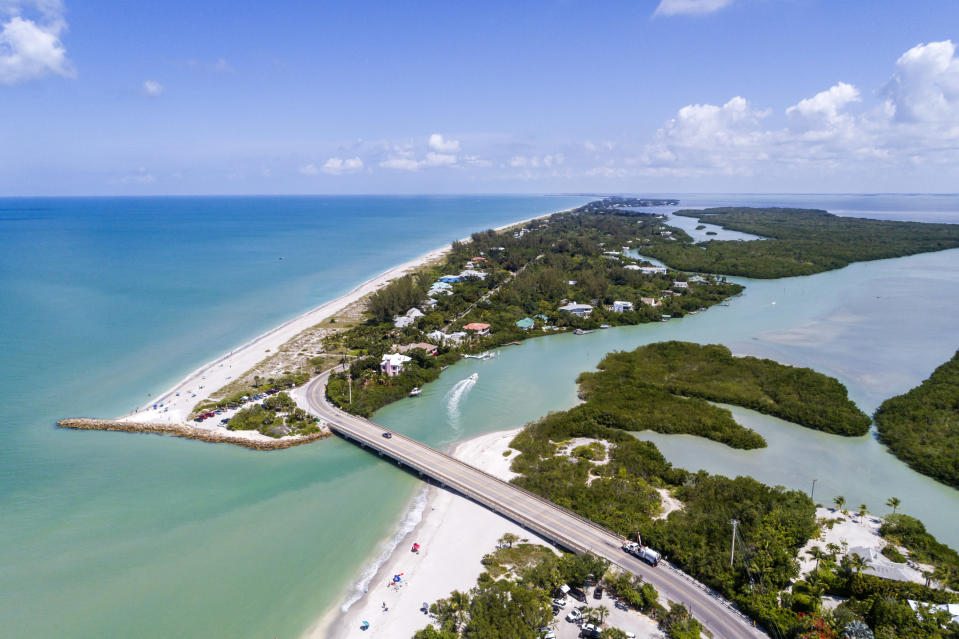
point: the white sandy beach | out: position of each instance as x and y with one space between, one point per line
218 373
453 534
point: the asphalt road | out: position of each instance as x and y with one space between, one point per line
548 520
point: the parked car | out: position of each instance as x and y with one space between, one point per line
560 602
621 605
589 630
574 615
546 633
577 594
598 592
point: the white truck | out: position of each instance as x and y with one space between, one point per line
645 553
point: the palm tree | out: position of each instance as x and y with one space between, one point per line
894 503
602 612
459 604
816 553
840 501
856 562
588 613
508 539
862 512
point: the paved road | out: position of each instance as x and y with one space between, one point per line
550 521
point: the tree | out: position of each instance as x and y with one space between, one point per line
856 562
862 512
894 503
840 501
602 612
508 539
613 633
816 553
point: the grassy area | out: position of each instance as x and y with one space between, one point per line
798 242
277 416
921 427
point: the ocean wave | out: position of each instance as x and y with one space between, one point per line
412 518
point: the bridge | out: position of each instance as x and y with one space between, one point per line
551 522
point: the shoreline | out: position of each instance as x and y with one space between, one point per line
216 374
454 534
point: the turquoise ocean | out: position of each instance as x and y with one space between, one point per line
104 301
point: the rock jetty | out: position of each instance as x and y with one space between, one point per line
192 432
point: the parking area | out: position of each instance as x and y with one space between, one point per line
629 621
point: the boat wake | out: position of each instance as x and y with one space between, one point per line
456 395
412 518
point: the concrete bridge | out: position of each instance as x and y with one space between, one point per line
551 522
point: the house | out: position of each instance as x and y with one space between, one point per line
650 301
678 284
437 336
477 328
477 259
572 282
619 307
402 321
429 303
456 338
451 279
541 317
472 274
580 310
392 363
526 323
653 270
405 348
632 267
699 279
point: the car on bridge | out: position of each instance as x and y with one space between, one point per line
388 435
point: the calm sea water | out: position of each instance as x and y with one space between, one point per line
106 300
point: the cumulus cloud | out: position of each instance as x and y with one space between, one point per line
925 84
30 45
681 7
339 166
309 169
442 145
826 106
152 88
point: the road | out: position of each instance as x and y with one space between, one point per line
558 525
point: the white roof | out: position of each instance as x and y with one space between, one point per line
631 267
395 359
414 312
573 306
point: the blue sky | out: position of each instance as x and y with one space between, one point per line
565 96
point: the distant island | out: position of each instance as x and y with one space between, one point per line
796 242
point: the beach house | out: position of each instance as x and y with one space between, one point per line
392 363
619 307
526 323
580 310
477 328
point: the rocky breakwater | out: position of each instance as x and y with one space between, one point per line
247 439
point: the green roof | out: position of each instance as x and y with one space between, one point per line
526 322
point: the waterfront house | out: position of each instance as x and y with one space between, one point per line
619 307
580 310
632 267
526 323
392 363
437 336
430 349
456 338
477 328
650 301
653 270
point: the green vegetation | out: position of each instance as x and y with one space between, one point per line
910 533
277 416
526 273
798 242
799 395
288 379
921 427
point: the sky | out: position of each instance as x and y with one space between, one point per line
572 96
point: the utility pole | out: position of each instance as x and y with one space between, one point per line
813 491
732 550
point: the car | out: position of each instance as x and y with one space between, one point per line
574 615
621 605
589 630
388 435
577 594
630 635
560 602
546 633
598 592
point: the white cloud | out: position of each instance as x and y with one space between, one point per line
30 47
825 107
535 161
439 159
681 7
925 84
339 166
309 169
442 145
152 88
400 163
